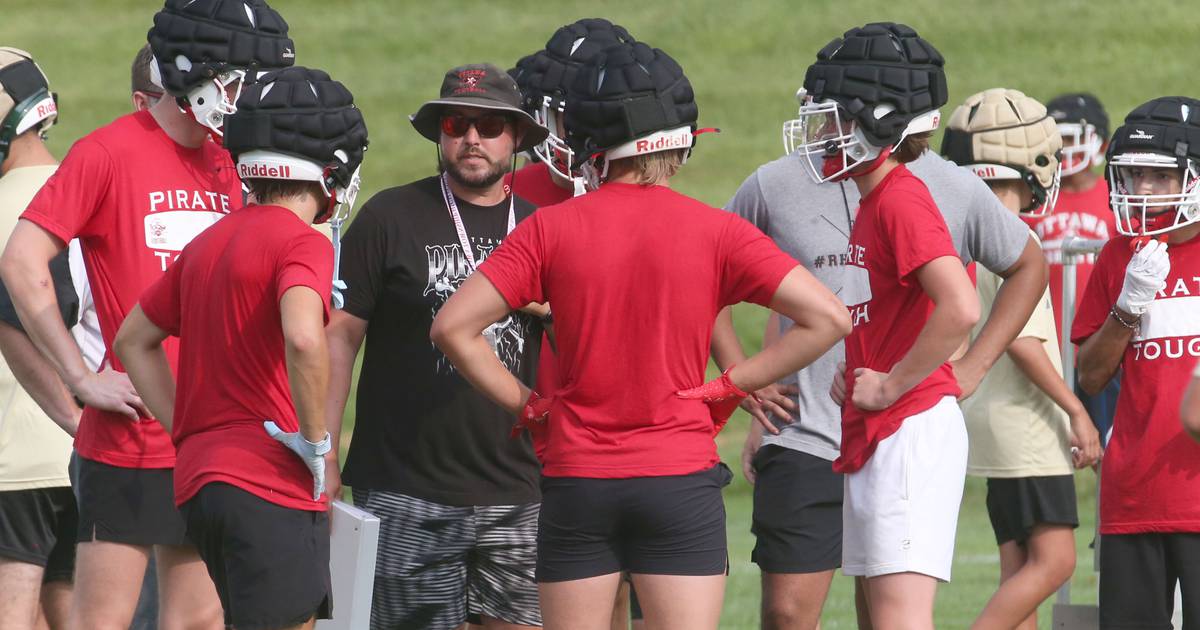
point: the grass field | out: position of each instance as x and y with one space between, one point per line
745 59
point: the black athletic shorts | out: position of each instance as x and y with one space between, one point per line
1137 580
133 506
672 525
270 563
797 523
1017 505
38 527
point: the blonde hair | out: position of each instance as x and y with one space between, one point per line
652 168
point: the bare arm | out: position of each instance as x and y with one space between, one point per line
1030 357
1024 283
725 345
38 378
955 312
1101 354
344 336
25 269
302 315
820 321
139 346
772 399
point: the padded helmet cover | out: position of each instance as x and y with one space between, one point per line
25 96
551 71
627 92
301 112
1005 127
520 74
216 36
1169 125
880 63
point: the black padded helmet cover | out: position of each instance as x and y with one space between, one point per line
301 112
520 74
1169 125
880 63
552 70
216 36
628 91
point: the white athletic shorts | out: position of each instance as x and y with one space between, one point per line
901 509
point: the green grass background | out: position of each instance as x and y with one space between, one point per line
745 60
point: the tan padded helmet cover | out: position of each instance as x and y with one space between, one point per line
1010 129
9 56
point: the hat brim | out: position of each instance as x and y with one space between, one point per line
427 119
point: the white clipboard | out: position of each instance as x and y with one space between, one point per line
354 541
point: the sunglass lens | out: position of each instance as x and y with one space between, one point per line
491 125
454 125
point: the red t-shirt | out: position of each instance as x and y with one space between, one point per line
535 185
1085 215
134 198
897 231
1151 472
221 298
636 276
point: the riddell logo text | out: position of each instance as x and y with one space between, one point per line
665 142
263 170
46 108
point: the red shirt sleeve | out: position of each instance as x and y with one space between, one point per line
161 301
752 264
1101 291
307 261
515 268
67 206
914 230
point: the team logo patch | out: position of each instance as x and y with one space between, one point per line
469 81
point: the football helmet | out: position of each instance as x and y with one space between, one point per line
1161 134
1002 134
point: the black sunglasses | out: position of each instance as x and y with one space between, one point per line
488 125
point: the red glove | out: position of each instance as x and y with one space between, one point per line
721 396
533 416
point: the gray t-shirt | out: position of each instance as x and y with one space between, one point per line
812 223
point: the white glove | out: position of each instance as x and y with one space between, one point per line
312 454
1145 276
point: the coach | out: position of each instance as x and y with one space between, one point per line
458 499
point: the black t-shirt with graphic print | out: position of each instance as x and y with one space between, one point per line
420 428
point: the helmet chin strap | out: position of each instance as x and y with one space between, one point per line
341 200
829 166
